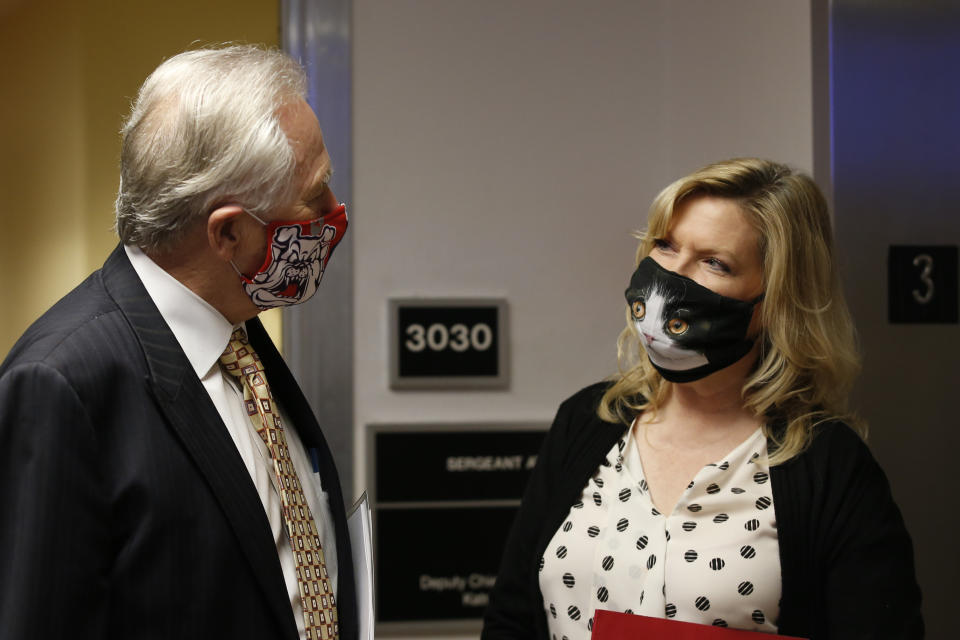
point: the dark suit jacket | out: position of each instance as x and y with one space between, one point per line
125 509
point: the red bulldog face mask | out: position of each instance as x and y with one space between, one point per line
297 255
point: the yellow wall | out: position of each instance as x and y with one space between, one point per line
68 74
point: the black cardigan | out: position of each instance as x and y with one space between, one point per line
846 559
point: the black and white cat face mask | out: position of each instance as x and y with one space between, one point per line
687 330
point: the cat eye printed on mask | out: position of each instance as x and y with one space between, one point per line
687 330
675 325
297 256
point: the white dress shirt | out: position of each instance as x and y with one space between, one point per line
203 334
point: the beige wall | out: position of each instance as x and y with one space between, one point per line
69 71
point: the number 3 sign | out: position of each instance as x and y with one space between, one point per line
922 284
449 343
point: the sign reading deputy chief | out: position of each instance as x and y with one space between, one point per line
444 499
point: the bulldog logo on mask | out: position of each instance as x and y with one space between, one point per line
297 256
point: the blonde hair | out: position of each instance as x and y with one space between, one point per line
808 355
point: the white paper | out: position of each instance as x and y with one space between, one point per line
361 542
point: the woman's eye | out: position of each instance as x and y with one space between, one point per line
661 244
718 265
676 326
639 309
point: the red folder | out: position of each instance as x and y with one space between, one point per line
611 625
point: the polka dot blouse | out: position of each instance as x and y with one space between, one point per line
714 560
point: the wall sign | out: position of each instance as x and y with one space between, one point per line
922 283
443 499
448 343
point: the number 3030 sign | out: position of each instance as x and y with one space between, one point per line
459 337
456 343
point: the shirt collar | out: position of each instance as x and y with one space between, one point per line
201 330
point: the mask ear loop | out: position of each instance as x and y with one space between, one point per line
760 332
255 217
237 270
258 219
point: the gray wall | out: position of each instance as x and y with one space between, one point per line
896 172
508 149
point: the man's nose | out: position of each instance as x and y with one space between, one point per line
330 203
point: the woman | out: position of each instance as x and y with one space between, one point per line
718 478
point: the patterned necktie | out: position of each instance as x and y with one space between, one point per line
316 594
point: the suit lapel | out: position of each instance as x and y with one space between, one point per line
192 415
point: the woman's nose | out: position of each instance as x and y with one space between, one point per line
685 266
677 263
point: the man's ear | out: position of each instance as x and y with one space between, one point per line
223 230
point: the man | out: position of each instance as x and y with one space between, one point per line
161 474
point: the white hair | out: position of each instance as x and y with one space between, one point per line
204 131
